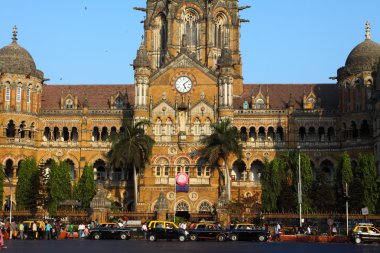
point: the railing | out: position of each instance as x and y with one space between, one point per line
59 143
263 144
20 141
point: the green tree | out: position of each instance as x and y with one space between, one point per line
2 175
59 185
131 147
272 179
223 142
344 175
323 193
289 200
27 184
86 189
366 172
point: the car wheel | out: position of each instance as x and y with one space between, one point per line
152 238
181 238
262 238
123 236
220 238
193 237
96 236
358 240
234 238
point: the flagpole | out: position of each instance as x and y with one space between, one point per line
175 196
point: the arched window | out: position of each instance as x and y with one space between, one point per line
220 31
65 134
160 32
104 134
18 94
158 127
7 94
95 134
69 103
72 168
11 131
74 134
331 134
100 170
182 207
259 104
321 133
255 172
270 136
205 207
190 21
239 171
302 134
8 168
56 134
243 134
21 131
47 134
197 127
28 91
119 103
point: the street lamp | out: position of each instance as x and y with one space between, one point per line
299 184
10 205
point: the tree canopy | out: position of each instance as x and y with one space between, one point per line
27 185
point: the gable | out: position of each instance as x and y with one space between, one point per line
183 61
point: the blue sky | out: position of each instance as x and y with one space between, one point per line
95 41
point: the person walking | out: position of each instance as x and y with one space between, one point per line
34 230
2 245
21 229
144 229
47 231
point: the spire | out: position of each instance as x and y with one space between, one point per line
367 30
142 57
14 38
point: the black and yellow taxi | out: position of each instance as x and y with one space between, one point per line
365 232
207 231
109 230
247 232
161 229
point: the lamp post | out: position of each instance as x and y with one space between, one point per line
10 205
299 184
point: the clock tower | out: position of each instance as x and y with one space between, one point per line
187 71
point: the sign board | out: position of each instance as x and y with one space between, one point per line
365 211
134 223
182 179
180 188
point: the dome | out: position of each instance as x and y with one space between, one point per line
364 57
14 59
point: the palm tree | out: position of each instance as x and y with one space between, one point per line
131 147
223 142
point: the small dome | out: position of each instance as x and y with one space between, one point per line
364 57
14 59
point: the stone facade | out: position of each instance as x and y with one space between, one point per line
188 75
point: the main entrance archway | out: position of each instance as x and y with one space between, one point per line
182 210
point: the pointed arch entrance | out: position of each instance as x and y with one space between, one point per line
182 209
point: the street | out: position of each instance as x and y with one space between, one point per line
141 246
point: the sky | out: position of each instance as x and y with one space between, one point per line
95 41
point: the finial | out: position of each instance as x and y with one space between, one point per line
367 30
14 39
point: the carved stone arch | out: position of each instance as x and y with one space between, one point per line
45 158
96 157
239 170
72 158
182 160
182 205
8 157
200 206
161 160
223 11
193 6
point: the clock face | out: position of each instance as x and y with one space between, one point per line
183 84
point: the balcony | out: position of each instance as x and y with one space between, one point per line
192 181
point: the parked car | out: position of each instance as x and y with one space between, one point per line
248 232
158 229
109 231
364 232
205 231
